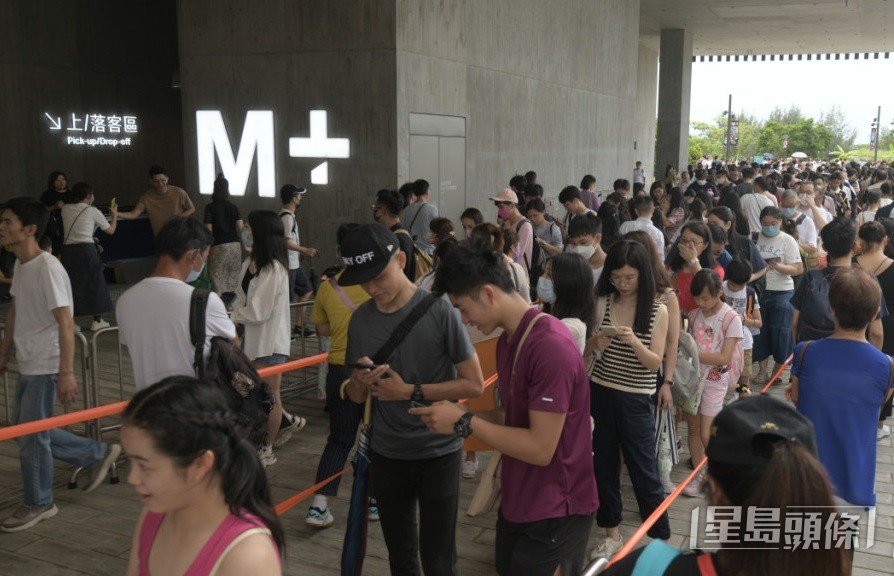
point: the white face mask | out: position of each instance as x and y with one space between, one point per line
585 251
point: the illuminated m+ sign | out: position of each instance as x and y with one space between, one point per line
257 140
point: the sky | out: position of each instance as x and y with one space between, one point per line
857 87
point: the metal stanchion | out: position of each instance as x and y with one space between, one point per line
306 383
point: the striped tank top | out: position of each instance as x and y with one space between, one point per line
618 367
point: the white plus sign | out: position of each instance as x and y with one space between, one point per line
319 145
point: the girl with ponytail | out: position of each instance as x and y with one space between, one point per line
206 502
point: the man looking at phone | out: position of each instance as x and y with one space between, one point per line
435 361
542 428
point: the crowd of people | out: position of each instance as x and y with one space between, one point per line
728 263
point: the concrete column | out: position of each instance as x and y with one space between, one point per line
674 88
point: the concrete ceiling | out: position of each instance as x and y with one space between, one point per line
773 26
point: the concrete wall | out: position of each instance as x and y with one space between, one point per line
291 57
539 90
87 56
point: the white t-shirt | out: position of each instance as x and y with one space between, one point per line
785 248
290 224
807 232
79 222
39 286
153 322
738 301
578 331
647 226
752 204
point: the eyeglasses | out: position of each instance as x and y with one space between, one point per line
691 241
628 280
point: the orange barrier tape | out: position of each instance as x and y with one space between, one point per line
672 497
487 383
11 432
36 426
286 505
293 365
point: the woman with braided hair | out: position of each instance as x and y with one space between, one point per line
206 502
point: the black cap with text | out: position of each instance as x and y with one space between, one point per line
365 252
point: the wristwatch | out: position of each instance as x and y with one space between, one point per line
417 395
462 426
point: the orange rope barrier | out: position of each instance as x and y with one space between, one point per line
671 498
289 503
293 365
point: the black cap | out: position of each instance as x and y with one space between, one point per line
366 251
739 432
289 191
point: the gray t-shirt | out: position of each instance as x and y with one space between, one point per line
550 234
416 217
427 355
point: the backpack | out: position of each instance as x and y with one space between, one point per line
686 390
538 258
424 264
815 315
658 556
228 367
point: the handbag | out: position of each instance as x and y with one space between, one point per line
687 388
489 487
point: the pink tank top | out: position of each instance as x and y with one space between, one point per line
231 527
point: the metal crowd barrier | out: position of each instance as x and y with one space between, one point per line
298 384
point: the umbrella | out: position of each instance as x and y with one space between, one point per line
759 159
354 548
799 155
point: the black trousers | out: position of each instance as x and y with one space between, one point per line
433 483
626 421
344 419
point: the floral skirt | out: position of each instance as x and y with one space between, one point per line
224 265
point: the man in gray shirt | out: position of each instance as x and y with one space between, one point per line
418 215
410 466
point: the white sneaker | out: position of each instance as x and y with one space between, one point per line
285 433
372 514
883 432
319 518
98 325
607 548
694 489
268 458
470 468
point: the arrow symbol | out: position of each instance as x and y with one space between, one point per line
55 124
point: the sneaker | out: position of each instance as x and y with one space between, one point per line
77 329
285 432
26 517
694 489
668 486
98 325
470 468
319 518
101 468
373 512
607 548
883 432
268 458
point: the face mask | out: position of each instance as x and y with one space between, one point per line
788 212
247 240
545 290
194 275
585 251
701 182
770 231
503 212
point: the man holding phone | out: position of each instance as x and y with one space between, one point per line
434 361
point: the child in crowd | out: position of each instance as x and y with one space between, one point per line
717 331
742 298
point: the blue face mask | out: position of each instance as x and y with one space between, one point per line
770 231
193 274
788 212
545 290
247 240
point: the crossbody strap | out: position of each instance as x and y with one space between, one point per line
403 329
342 294
521 343
75 221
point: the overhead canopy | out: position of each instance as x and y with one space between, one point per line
774 26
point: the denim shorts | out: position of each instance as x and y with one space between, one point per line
271 360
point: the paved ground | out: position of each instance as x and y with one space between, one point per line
91 535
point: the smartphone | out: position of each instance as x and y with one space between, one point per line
609 331
771 260
415 404
114 203
363 366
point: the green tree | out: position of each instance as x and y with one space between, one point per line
843 135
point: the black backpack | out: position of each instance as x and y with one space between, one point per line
815 315
228 367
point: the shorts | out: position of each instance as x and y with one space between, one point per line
271 360
537 548
746 367
299 285
712 396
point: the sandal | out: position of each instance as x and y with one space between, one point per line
761 378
